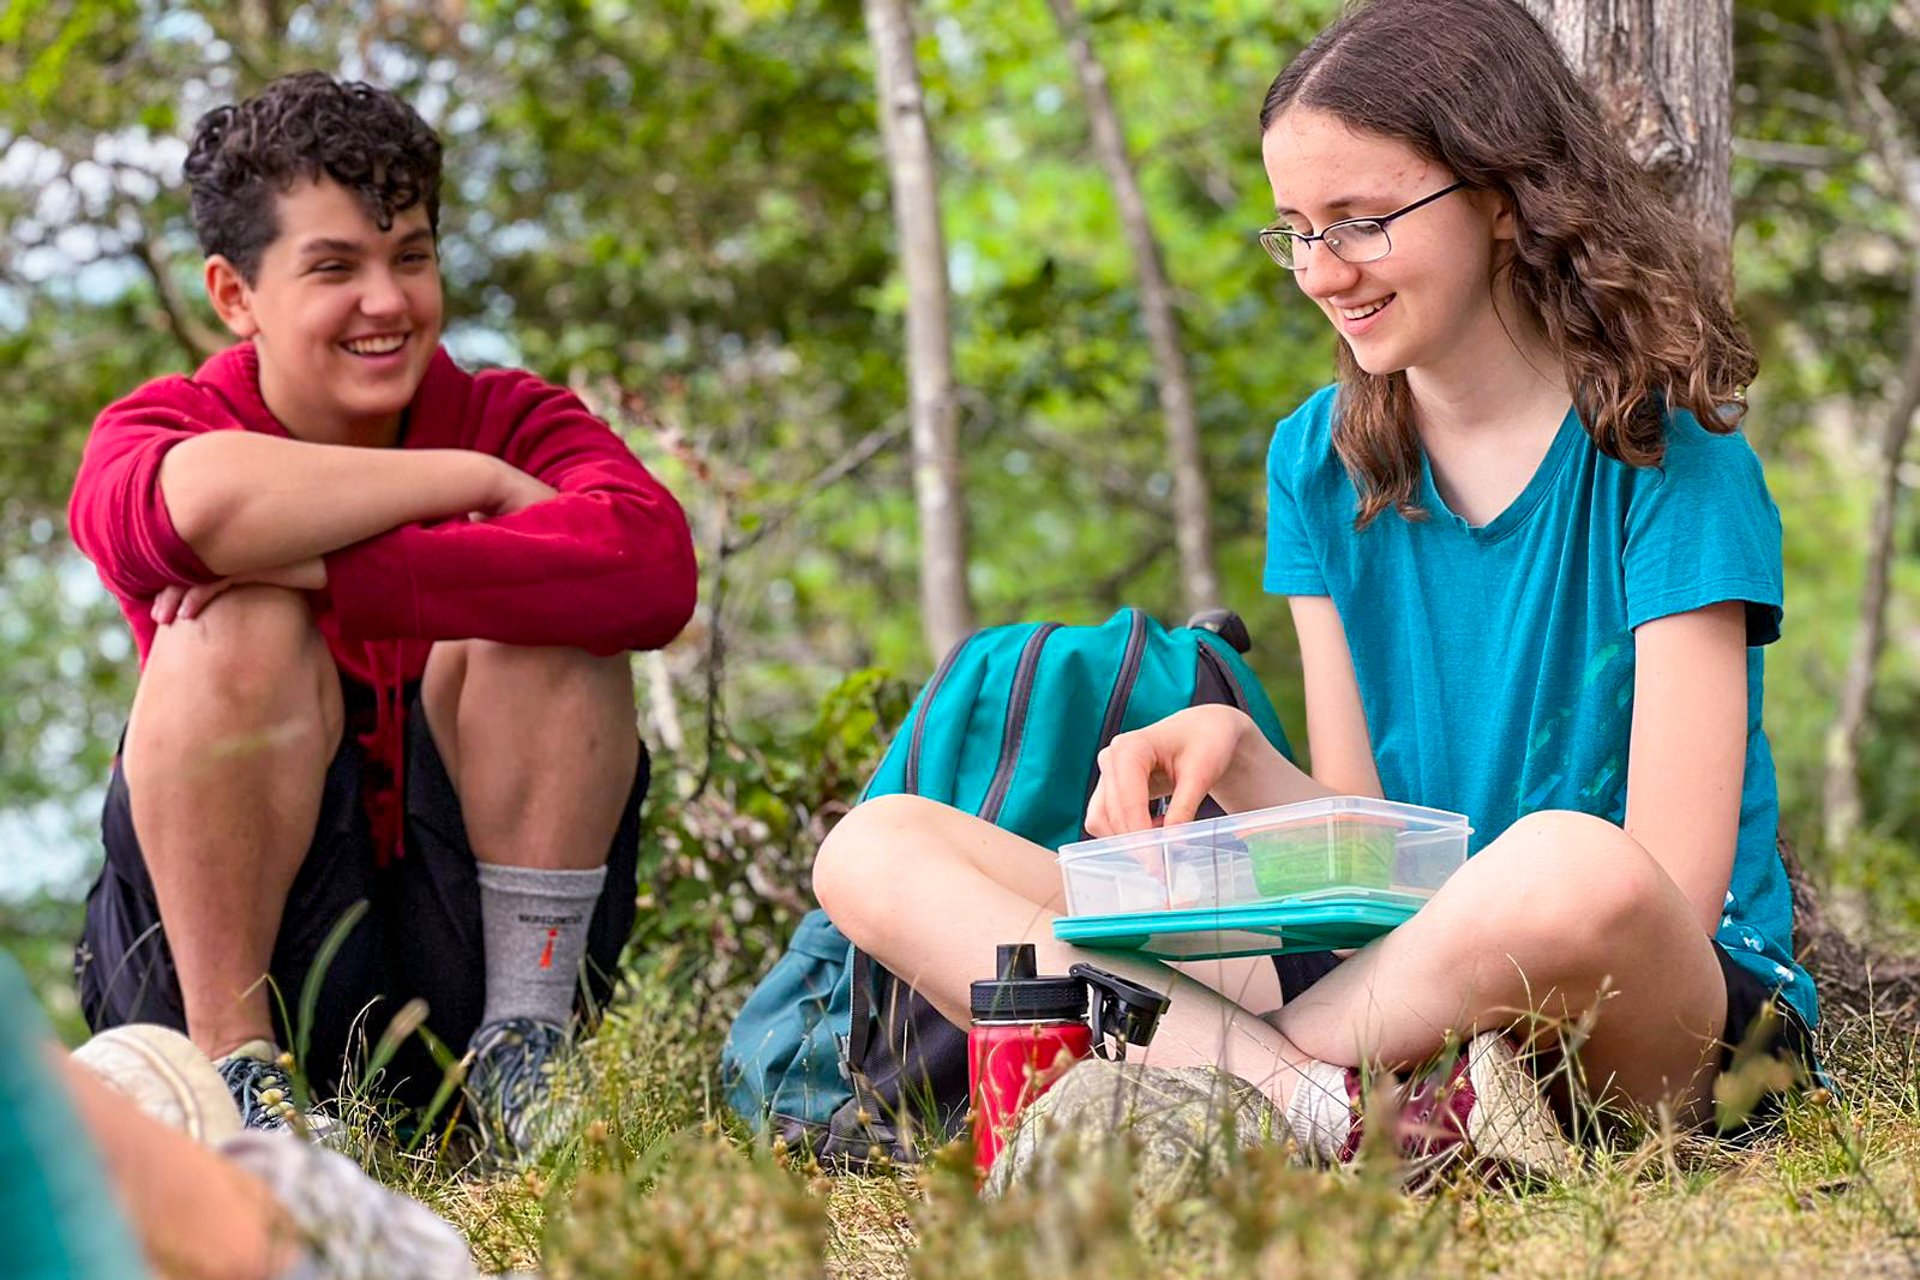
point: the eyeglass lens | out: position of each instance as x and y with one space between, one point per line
1352 242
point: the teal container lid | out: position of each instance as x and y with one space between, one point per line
1314 922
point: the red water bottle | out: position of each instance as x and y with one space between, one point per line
1027 1030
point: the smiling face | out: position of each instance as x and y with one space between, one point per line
1428 305
345 316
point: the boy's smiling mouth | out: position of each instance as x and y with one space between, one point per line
380 345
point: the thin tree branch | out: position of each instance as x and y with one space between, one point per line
195 338
1791 155
863 451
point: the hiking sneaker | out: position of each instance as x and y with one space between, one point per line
256 1076
1484 1106
510 1087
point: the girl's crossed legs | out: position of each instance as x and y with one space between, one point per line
1562 913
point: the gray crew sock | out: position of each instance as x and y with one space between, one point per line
535 925
1320 1115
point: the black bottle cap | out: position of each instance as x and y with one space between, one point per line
1019 994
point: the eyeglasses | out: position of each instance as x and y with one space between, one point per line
1354 240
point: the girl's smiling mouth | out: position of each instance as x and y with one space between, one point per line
1354 321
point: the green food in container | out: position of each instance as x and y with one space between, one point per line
1343 850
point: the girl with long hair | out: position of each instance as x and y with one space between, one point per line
1532 566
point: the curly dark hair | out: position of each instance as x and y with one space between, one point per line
304 127
1620 284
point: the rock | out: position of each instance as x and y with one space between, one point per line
1181 1127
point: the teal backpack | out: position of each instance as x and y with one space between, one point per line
831 1051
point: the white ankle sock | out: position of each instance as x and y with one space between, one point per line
1320 1115
535 925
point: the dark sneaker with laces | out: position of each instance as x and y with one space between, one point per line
510 1087
256 1076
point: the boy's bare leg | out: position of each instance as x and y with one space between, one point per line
236 719
541 747
1559 913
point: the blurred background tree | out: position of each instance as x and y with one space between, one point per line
682 209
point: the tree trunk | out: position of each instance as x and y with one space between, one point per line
1895 147
946 603
1192 513
1663 71
1841 807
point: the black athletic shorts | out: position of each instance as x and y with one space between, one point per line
1753 1009
421 935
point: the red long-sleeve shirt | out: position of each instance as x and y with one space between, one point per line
606 565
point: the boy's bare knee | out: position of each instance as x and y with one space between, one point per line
248 645
556 672
252 649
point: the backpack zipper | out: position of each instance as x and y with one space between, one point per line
911 783
1016 728
1221 665
1122 694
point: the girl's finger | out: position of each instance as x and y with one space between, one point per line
1131 770
1188 791
1095 819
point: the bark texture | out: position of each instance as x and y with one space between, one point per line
946 603
1663 71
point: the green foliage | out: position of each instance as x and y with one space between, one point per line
727 857
39 934
681 209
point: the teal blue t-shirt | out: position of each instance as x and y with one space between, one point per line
59 1218
1496 662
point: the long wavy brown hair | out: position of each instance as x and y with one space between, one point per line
1623 288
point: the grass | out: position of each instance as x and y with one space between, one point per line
653 1182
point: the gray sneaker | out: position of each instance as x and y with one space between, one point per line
510 1087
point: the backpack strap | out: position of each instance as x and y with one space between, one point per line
860 1035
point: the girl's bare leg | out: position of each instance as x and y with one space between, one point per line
1562 911
930 891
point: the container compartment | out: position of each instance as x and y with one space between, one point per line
1336 845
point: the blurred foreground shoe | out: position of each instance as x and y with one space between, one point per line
349 1226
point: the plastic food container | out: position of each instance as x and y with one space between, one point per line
1336 846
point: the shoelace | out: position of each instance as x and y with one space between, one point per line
261 1090
508 1076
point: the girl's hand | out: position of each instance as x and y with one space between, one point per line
1182 756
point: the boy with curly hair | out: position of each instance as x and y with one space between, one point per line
383 608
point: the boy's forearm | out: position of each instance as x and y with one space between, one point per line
246 502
